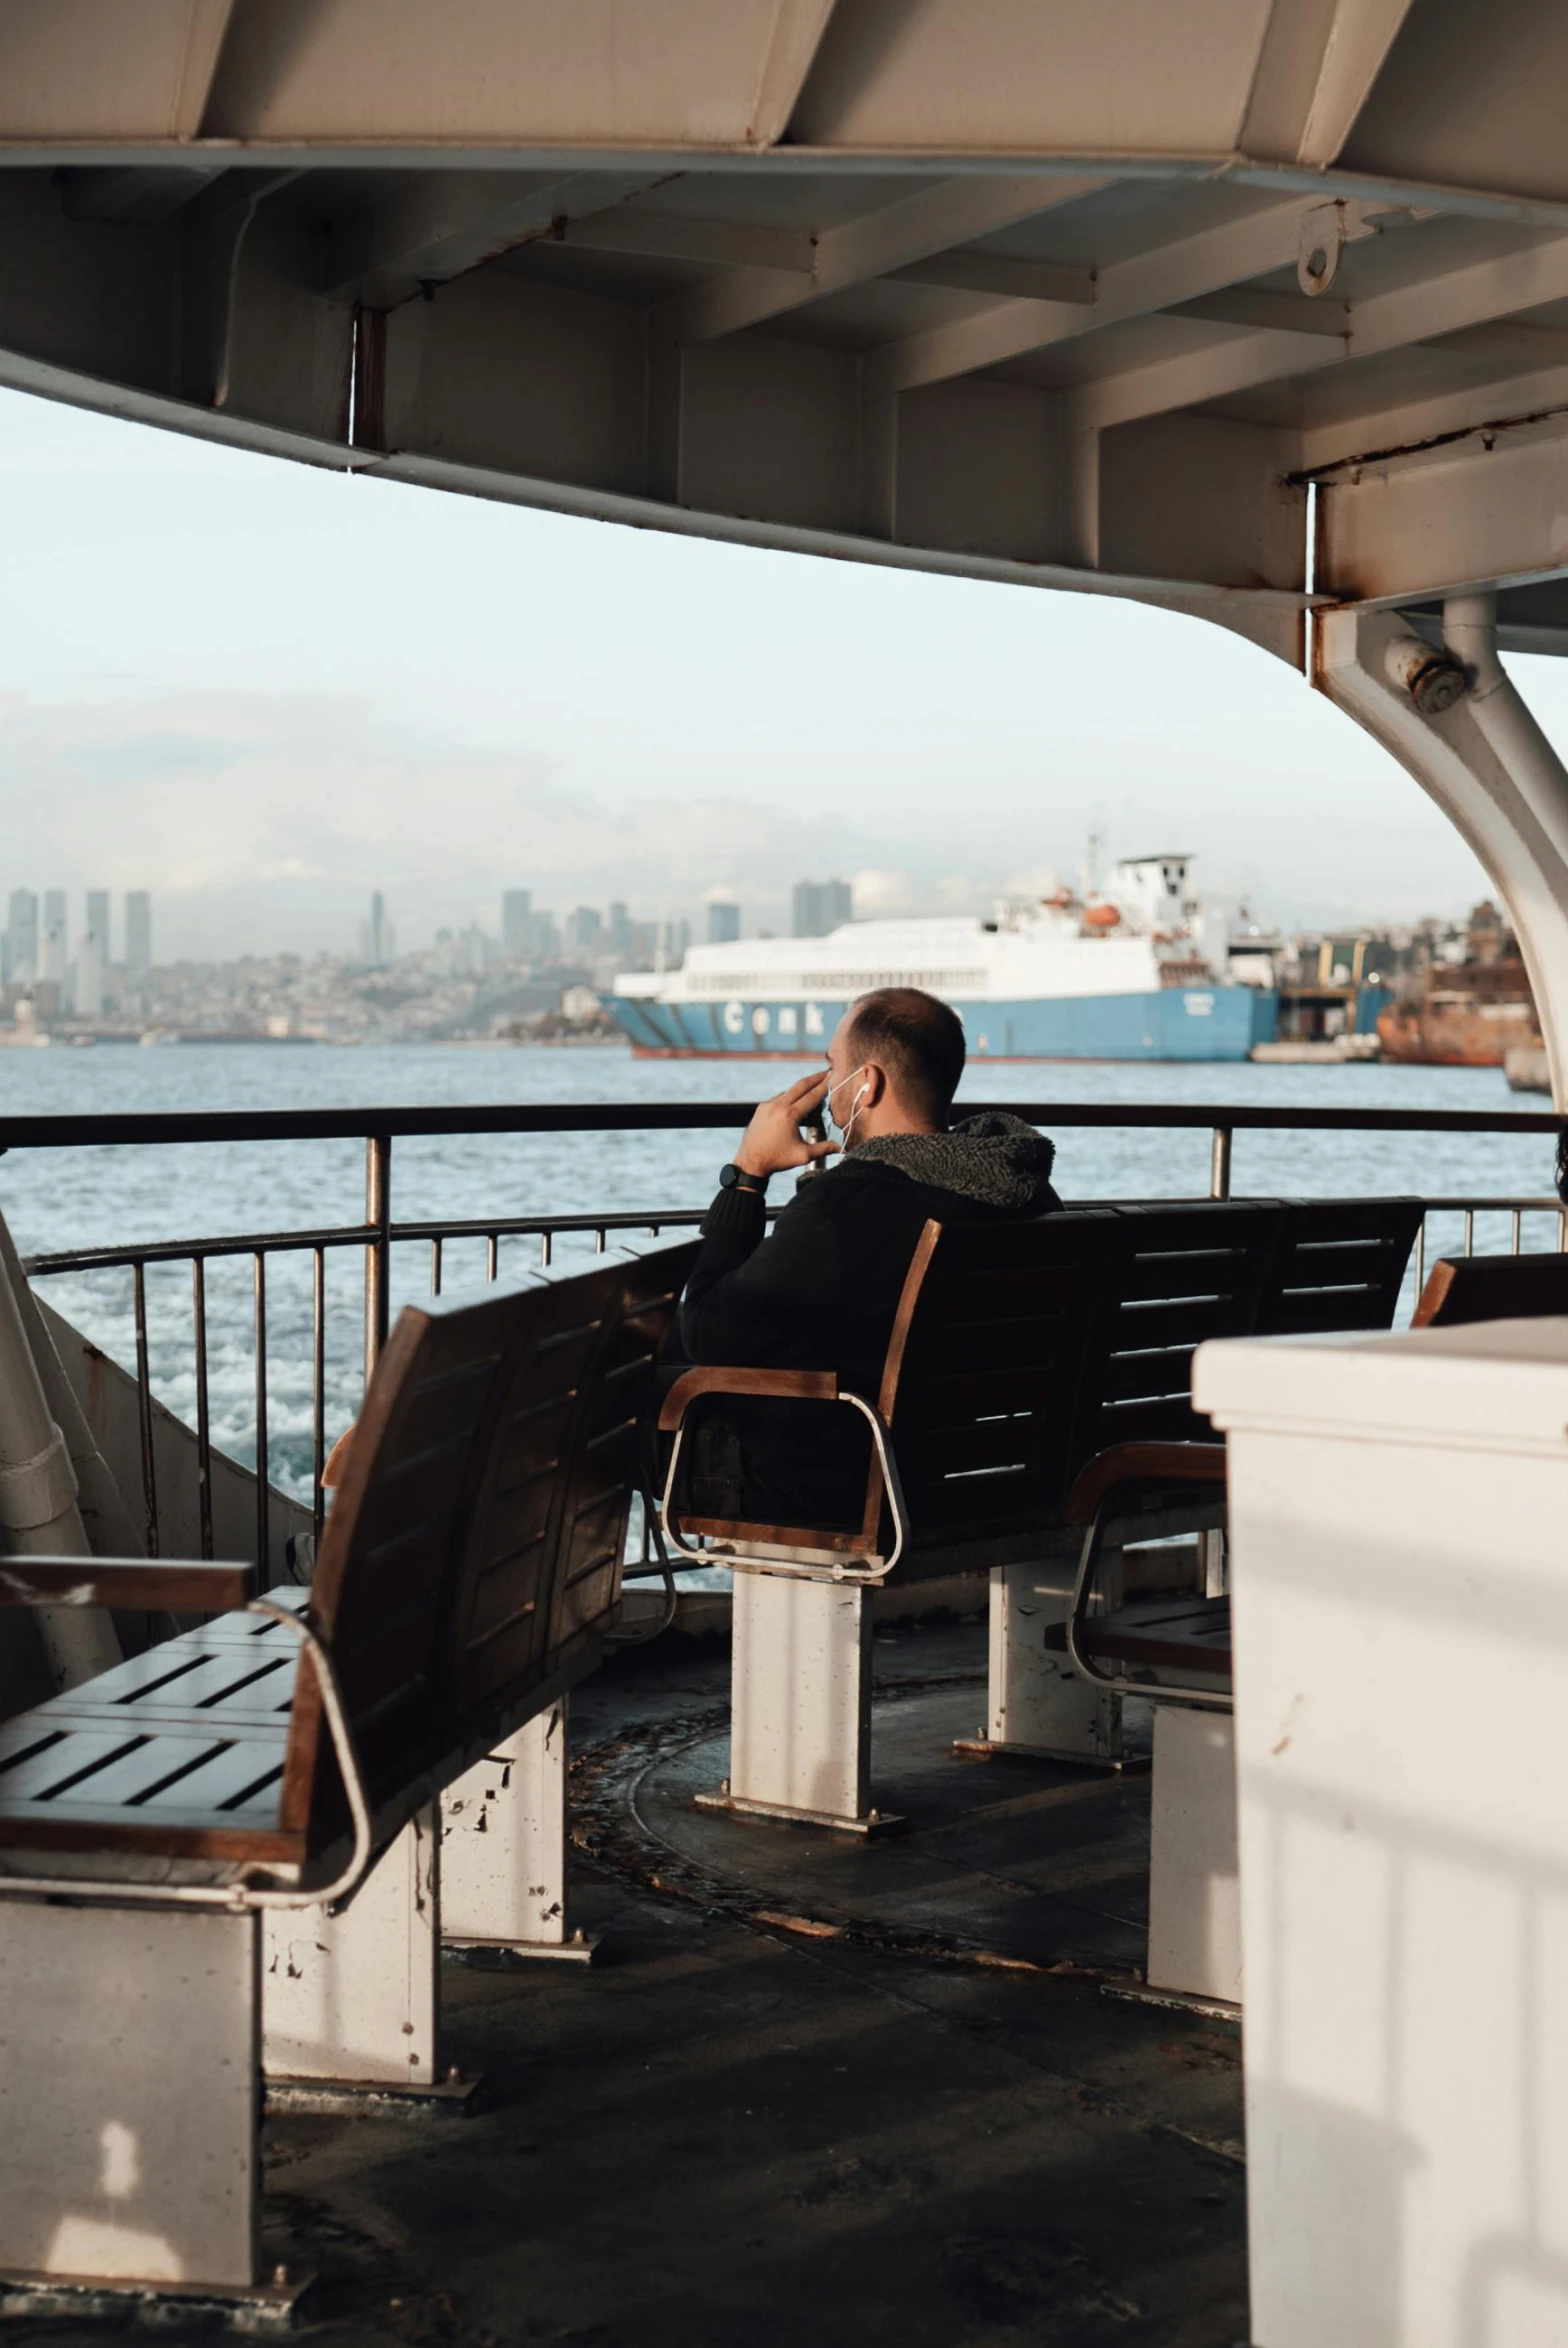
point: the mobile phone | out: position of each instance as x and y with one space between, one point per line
814 1127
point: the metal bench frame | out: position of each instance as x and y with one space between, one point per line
1159 1280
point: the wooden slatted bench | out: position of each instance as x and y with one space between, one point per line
228 1847
1021 1353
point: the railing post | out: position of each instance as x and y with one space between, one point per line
378 1255
1219 1163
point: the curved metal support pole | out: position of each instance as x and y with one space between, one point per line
1456 721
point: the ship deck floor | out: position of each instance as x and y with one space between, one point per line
817 2089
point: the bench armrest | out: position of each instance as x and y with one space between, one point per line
1089 1504
771 1385
142 1583
1142 1463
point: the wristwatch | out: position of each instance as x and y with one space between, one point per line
732 1178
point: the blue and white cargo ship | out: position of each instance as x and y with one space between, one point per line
1134 972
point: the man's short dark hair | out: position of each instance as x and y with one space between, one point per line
919 1039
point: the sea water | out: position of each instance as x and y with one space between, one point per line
114 1196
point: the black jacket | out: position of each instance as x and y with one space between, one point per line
820 1293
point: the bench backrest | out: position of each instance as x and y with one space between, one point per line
1340 1265
1492 1288
1233 1268
1186 1273
451 1574
982 1377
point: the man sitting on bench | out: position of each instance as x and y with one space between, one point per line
822 1291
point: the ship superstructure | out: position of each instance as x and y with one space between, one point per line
1137 971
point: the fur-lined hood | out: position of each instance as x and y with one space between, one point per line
995 1160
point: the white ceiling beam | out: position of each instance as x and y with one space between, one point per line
1381 430
206 26
1425 311
954 212
1234 360
738 244
673 236
1160 279
1000 273
1316 67
798 29
441 224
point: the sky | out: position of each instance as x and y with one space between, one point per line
262 691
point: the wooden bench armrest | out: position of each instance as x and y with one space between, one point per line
772 1385
149 1583
1142 1463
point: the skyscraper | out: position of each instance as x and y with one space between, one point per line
377 939
87 970
723 922
98 923
23 933
138 933
821 906
585 932
517 924
54 942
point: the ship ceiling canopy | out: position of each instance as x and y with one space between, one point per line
1225 304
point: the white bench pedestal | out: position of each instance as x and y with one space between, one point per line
1037 1706
351 2003
504 1851
1194 1888
130 2162
800 1704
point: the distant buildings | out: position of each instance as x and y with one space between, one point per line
138 933
723 922
585 934
92 959
377 938
22 938
517 924
54 942
36 961
821 906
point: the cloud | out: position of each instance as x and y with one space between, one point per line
264 820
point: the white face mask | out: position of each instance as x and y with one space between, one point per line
854 1111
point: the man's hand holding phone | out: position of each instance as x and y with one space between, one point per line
774 1141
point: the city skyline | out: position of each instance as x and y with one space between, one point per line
403 690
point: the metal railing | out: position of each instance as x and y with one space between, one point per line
378 1235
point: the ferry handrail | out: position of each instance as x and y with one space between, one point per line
410 1122
378 1125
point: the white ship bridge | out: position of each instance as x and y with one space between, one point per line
1252 310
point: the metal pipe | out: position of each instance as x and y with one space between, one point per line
263 1488
144 1407
318 1386
203 1408
1219 1162
254 1125
378 1255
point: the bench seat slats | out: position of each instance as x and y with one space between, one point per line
477 1536
1176 1635
110 1769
